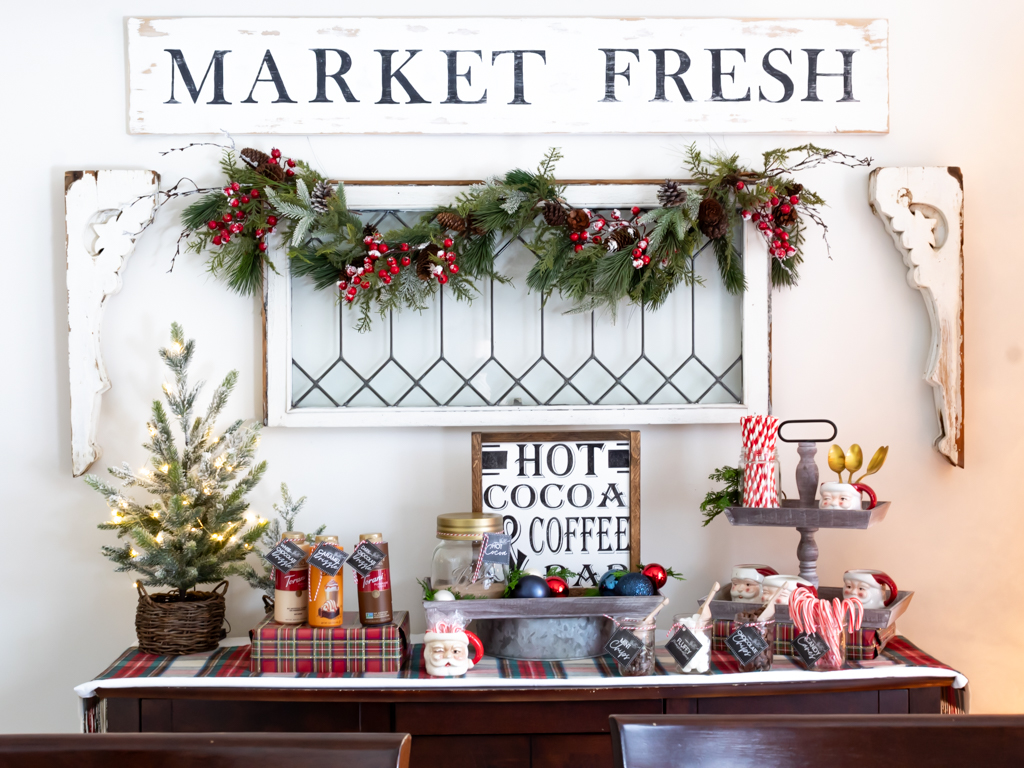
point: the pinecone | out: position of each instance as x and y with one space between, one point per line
322 191
711 219
472 226
370 231
784 219
451 220
253 157
577 220
554 214
424 264
793 189
274 172
671 194
621 238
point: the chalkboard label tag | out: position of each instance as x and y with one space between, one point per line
683 646
746 644
285 556
810 648
365 558
497 548
328 558
624 646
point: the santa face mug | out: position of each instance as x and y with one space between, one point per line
870 588
747 580
446 654
845 496
778 589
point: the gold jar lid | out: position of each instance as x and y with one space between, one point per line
328 539
293 536
374 537
467 526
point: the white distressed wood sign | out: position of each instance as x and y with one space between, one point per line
105 213
923 210
507 75
568 499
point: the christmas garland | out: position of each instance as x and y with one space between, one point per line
593 261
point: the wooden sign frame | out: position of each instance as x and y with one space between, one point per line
621 437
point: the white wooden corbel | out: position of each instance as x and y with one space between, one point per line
923 210
106 211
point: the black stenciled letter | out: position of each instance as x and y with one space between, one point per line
778 74
523 460
717 73
217 62
660 77
387 74
517 72
813 74
591 447
453 75
338 77
609 70
275 78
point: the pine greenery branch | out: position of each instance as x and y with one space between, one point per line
197 528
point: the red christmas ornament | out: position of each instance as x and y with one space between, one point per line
740 185
558 586
272 220
275 152
656 574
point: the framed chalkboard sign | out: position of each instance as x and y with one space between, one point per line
569 499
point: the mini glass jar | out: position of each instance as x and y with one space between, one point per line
643 663
456 555
834 660
763 661
700 663
762 465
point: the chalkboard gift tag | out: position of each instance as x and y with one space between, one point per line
497 548
624 646
328 558
285 556
365 558
683 646
746 644
810 648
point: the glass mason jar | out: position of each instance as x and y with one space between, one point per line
763 661
643 664
761 465
456 556
834 660
700 663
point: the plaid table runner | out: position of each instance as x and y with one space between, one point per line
234 661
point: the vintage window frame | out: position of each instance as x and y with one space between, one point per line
423 195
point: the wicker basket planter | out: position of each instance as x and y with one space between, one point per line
168 626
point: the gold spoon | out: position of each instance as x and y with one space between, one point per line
837 461
854 460
876 462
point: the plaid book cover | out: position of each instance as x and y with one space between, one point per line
863 645
329 651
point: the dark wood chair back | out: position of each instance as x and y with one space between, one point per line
814 741
207 750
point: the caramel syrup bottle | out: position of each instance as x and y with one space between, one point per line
375 589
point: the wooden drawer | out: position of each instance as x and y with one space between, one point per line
521 718
471 751
571 750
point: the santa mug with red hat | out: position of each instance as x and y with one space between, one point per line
778 589
747 580
446 649
870 587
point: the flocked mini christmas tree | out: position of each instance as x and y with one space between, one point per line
198 528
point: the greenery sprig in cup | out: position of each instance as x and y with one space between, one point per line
594 261
717 501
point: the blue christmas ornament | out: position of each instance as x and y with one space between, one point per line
606 584
634 585
532 586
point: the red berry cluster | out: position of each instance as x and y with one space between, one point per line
775 235
363 277
275 159
245 203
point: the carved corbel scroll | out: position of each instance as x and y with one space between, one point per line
106 211
923 210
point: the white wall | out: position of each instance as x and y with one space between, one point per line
950 535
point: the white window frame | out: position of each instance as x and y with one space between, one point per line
755 307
